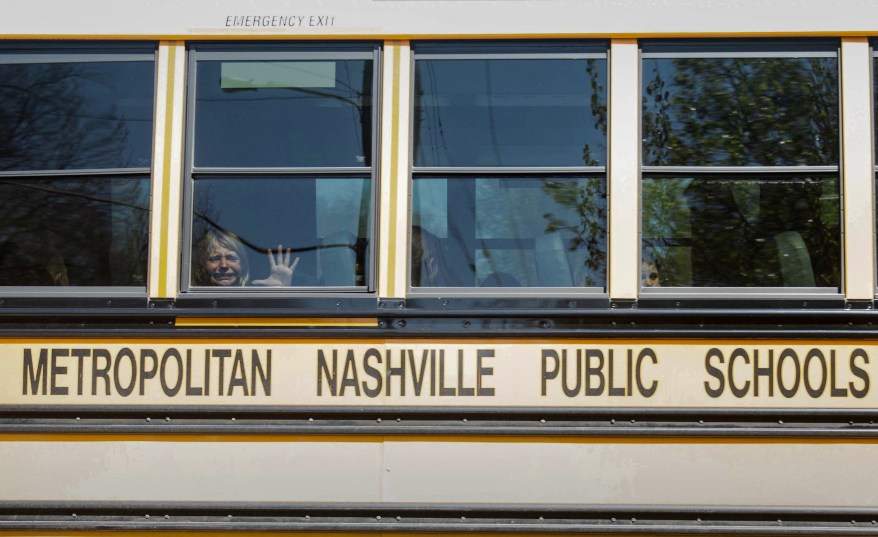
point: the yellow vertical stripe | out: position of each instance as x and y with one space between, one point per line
394 174
166 172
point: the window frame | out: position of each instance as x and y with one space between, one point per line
734 48
30 52
268 51
508 50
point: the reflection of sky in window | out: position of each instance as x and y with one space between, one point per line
508 112
284 126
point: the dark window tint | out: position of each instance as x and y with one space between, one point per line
771 111
508 232
764 231
74 231
510 112
324 221
291 113
65 116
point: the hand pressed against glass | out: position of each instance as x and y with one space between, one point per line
282 269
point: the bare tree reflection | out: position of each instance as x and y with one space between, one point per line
97 226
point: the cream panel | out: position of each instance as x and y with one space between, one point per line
291 18
624 168
636 472
857 144
190 471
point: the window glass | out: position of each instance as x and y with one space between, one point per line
323 222
510 112
283 113
64 116
74 231
76 125
742 232
509 232
740 111
509 155
741 184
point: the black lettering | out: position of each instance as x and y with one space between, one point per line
418 377
613 391
646 392
221 354
443 391
331 376
571 392
57 370
395 372
190 390
349 375
102 372
714 372
834 391
593 372
483 371
860 373
163 376
239 374
125 391
788 354
373 372
263 374
815 354
738 392
80 355
461 391
147 373
548 374
767 372
35 378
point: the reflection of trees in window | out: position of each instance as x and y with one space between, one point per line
741 112
67 116
49 119
585 199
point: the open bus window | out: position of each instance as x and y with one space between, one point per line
741 182
509 177
76 127
280 189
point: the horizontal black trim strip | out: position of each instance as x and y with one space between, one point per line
440 518
443 421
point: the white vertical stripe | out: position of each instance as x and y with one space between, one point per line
624 167
175 174
857 169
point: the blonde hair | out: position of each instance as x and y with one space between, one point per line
208 243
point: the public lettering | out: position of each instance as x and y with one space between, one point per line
595 373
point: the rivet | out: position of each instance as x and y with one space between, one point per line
307 517
701 422
77 418
612 422
74 516
310 419
378 420
542 421
167 418
465 420
399 517
167 517
780 422
148 419
234 419
613 520
698 520
541 518
398 420
632 421
463 518
146 517
230 517
633 520
378 517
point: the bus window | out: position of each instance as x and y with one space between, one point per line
509 165
281 167
741 183
76 124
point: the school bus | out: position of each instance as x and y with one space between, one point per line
434 266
